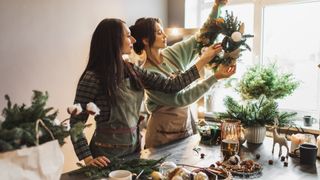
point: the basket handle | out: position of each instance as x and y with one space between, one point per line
39 121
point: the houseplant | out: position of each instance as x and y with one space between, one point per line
259 89
267 80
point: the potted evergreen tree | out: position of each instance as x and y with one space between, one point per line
259 89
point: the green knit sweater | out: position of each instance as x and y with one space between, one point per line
181 54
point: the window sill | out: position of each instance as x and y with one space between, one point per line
298 128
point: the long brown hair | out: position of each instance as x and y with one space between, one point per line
105 58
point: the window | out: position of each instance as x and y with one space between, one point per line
245 14
291 38
286 32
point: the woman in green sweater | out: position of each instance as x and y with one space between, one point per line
170 118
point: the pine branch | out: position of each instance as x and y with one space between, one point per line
18 128
132 165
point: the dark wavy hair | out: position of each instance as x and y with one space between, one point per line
143 28
105 58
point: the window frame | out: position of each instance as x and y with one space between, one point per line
259 8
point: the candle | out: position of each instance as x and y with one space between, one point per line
296 140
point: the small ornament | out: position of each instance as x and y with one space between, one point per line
218 163
236 36
156 175
234 160
277 139
166 167
283 158
258 156
270 162
202 155
201 176
177 177
285 164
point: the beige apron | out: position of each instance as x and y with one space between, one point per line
168 124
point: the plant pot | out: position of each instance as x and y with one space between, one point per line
255 134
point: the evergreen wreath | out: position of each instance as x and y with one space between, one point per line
233 43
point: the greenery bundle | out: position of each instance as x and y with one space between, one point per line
268 81
132 165
18 129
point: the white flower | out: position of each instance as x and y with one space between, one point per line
56 122
236 36
93 109
40 133
23 146
66 125
2 119
75 109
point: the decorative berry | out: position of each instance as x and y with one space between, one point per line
218 163
202 155
257 156
270 162
285 164
283 158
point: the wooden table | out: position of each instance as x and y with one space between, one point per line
182 153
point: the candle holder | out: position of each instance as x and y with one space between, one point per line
230 137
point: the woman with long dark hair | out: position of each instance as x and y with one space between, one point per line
170 116
116 87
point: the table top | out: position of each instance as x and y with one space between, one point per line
182 152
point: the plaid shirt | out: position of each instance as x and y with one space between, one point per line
89 90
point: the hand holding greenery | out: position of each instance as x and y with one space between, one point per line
132 165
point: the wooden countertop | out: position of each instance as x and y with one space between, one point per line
182 153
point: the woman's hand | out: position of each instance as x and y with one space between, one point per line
224 71
100 161
208 54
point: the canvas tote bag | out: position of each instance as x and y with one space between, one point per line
41 162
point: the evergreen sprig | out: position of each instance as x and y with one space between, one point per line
268 81
258 112
132 165
18 128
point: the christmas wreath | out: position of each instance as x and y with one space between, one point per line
233 43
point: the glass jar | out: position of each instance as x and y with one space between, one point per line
230 137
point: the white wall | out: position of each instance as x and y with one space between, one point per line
176 15
44 46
